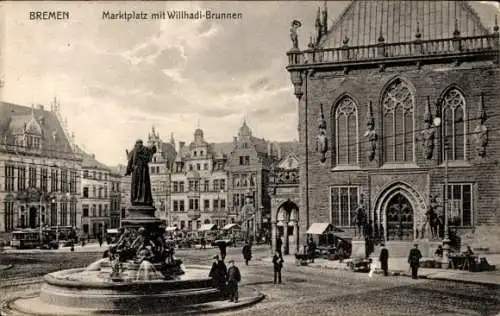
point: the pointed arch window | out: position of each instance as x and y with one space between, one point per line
454 128
398 117
346 132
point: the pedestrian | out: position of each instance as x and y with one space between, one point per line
218 273
247 252
311 249
233 277
222 249
278 265
414 261
99 239
384 260
279 243
203 243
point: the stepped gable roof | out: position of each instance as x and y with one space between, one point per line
90 162
15 119
220 149
362 22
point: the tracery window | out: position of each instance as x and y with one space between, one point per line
454 128
346 132
398 105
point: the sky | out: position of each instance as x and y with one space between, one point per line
116 79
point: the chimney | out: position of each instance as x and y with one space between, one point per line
39 106
181 145
93 156
269 153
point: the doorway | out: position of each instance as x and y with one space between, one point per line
399 217
32 217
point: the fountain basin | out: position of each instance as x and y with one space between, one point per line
79 288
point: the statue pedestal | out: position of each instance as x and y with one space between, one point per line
358 248
141 216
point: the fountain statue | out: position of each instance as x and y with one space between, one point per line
137 275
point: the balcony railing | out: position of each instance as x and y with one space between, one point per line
419 48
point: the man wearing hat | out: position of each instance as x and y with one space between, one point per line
233 277
414 261
384 260
218 273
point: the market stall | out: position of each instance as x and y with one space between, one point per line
330 242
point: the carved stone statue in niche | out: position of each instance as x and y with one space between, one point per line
321 139
370 134
428 134
481 131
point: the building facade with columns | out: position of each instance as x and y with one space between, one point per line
39 169
285 199
199 185
398 109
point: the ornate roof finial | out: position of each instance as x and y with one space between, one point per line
456 32
345 41
418 35
381 37
318 26
495 28
311 43
325 18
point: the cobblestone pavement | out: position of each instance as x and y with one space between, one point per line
305 290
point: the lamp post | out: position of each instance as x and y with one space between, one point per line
446 240
40 220
219 216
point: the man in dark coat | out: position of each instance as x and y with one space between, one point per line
222 249
311 249
384 260
414 261
233 277
218 273
279 243
278 265
247 252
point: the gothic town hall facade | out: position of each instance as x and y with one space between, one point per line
397 98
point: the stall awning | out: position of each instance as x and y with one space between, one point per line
171 229
112 231
231 226
206 227
321 228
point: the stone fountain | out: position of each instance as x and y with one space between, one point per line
136 276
